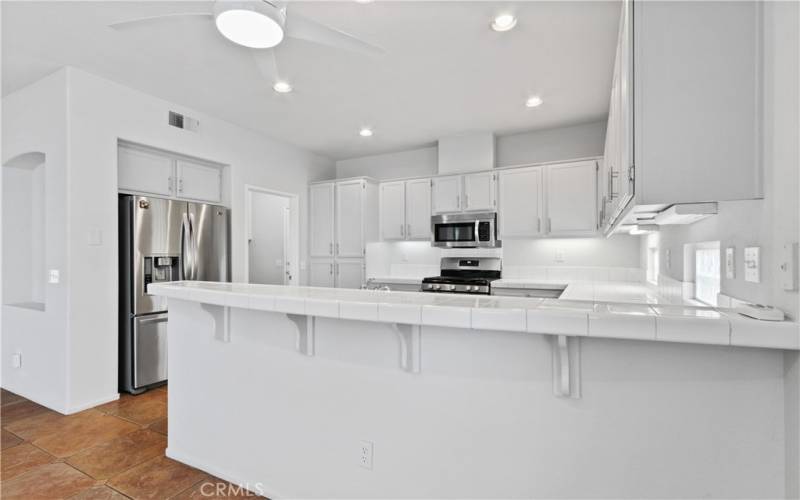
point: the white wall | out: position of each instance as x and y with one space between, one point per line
541 146
538 146
35 120
101 112
413 163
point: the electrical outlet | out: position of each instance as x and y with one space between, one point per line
53 276
752 264
365 454
560 257
16 360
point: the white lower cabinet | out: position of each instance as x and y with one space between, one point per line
572 199
320 273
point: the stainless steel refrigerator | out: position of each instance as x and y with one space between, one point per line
161 240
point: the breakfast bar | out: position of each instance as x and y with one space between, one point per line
369 388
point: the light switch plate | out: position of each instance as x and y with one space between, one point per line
787 268
730 263
53 276
752 264
560 255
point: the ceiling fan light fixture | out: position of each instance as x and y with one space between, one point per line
282 87
365 132
504 22
255 24
534 101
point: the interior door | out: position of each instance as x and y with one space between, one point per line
480 191
393 210
349 273
149 349
199 182
418 209
572 199
321 202
210 241
521 203
268 239
447 194
321 273
349 219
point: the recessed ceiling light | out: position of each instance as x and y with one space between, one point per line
282 87
504 22
258 25
364 1
365 132
534 101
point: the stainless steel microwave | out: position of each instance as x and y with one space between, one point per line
470 230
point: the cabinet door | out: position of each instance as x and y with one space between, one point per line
480 191
521 203
418 209
199 182
320 215
624 119
393 210
320 273
447 194
349 273
350 219
572 199
145 172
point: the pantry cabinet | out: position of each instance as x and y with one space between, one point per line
405 210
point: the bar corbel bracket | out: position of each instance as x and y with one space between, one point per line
222 321
410 338
305 332
566 366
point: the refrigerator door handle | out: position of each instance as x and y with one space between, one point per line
193 245
186 252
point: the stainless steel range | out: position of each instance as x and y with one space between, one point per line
465 275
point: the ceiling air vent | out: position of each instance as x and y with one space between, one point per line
184 122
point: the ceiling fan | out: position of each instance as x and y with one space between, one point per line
264 24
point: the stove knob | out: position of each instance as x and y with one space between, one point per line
436 287
474 288
451 287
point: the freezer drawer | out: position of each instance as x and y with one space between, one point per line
149 349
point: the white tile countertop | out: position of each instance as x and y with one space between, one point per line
699 325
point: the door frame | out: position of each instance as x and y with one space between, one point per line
293 246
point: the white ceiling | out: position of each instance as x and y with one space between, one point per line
445 72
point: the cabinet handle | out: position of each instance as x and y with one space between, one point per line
169 184
458 201
539 225
408 230
338 269
331 269
180 185
337 248
402 231
330 248
466 201
549 225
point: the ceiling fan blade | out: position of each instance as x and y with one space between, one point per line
132 23
304 28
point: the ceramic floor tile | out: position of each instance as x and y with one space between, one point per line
159 426
111 458
211 487
8 440
37 426
49 481
78 434
8 397
143 409
99 492
21 410
21 459
158 478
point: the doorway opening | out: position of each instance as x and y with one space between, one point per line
272 237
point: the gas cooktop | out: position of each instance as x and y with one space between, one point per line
465 275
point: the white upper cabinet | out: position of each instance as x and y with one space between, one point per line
145 172
321 210
393 210
350 218
480 191
521 203
572 199
199 182
447 194
418 209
